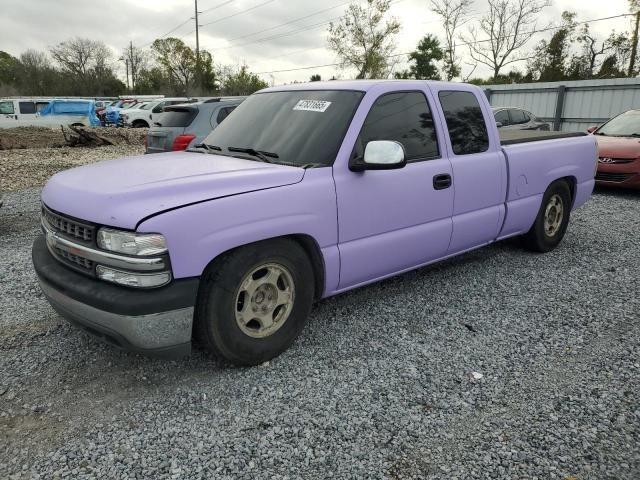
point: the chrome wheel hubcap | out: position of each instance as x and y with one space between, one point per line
553 215
264 300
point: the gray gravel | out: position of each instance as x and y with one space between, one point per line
380 384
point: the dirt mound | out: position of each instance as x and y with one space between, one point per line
39 137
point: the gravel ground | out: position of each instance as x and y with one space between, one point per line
40 137
26 168
380 385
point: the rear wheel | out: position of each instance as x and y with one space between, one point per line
253 302
552 219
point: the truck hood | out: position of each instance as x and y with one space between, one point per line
120 193
618 147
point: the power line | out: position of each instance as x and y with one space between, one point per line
216 7
289 22
292 32
238 13
459 44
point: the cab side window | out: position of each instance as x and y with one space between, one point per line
502 116
27 107
518 116
6 108
465 122
224 113
158 108
404 117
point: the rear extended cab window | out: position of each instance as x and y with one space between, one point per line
465 122
404 117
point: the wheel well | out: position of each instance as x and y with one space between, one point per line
142 123
572 182
308 244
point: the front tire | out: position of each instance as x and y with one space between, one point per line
552 220
254 301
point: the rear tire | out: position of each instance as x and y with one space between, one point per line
254 301
140 124
552 220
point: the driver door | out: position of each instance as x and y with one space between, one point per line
390 221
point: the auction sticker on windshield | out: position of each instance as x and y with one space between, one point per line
312 105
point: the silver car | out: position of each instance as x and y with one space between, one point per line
183 126
510 118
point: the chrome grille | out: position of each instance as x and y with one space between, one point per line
69 227
74 259
610 160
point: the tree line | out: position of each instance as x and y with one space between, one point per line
85 67
364 41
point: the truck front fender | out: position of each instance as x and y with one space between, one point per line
198 234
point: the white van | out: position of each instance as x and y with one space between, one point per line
41 112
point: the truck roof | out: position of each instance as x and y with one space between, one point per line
359 85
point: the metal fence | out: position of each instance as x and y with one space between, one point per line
569 106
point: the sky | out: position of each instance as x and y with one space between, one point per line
270 36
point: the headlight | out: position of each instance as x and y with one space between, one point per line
131 279
131 243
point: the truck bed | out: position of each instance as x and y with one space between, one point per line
512 137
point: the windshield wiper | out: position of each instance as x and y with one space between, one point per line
261 154
203 146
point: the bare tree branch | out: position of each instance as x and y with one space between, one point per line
508 26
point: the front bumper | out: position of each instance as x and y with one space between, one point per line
625 175
155 322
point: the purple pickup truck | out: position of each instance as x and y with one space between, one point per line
304 192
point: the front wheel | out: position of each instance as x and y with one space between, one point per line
552 219
253 302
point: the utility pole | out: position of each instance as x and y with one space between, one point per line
133 65
634 46
198 76
126 64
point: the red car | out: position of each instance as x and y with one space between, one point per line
619 150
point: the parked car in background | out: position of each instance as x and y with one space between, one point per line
619 150
141 116
16 112
47 113
510 118
182 126
304 192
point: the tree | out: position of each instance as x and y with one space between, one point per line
453 14
363 39
507 27
634 6
8 68
243 83
427 52
179 62
37 77
315 78
79 56
549 63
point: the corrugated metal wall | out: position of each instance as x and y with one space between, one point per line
573 106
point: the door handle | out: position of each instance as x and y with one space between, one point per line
442 181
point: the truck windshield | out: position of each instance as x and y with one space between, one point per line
624 125
301 127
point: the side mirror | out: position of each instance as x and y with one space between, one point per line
591 129
498 124
380 155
